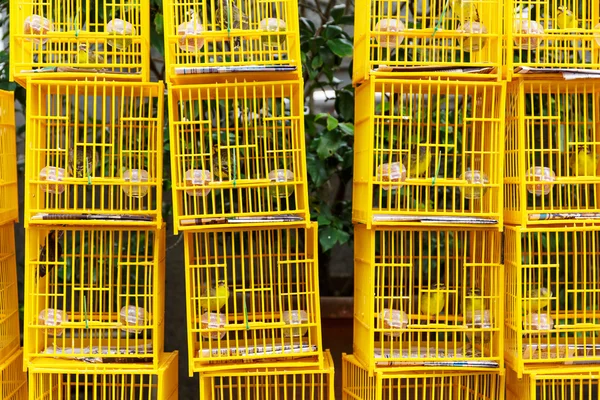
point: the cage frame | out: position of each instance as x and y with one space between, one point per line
524 387
364 35
189 72
9 296
217 359
9 186
514 68
373 386
367 299
197 219
365 184
37 211
548 352
13 377
24 57
35 335
165 373
208 379
518 127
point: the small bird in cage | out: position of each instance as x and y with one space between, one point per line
465 10
83 163
215 298
51 251
537 299
229 16
566 19
221 163
86 55
433 302
583 162
419 162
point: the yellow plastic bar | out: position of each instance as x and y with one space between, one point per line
416 161
238 155
437 38
203 38
73 39
94 153
252 295
72 380
428 297
94 293
390 383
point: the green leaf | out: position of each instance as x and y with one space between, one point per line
332 122
347 128
344 105
331 236
322 220
332 31
317 170
158 23
329 143
317 62
337 12
340 47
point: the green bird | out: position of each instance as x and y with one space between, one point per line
225 21
83 163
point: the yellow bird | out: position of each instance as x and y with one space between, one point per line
566 19
419 162
465 10
215 298
221 161
434 301
86 55
584 163
473 301
536 300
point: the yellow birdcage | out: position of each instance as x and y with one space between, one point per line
552 307
552 146
543 35
94 294
428 297
238 154
10 337
94 153
428 151
287 382
68 380
13 378
560 382
69 39
444 38
252 296
210 37
396 384
9 208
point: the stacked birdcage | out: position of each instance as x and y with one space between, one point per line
240 199
95 238
427 201
552 301
13 381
